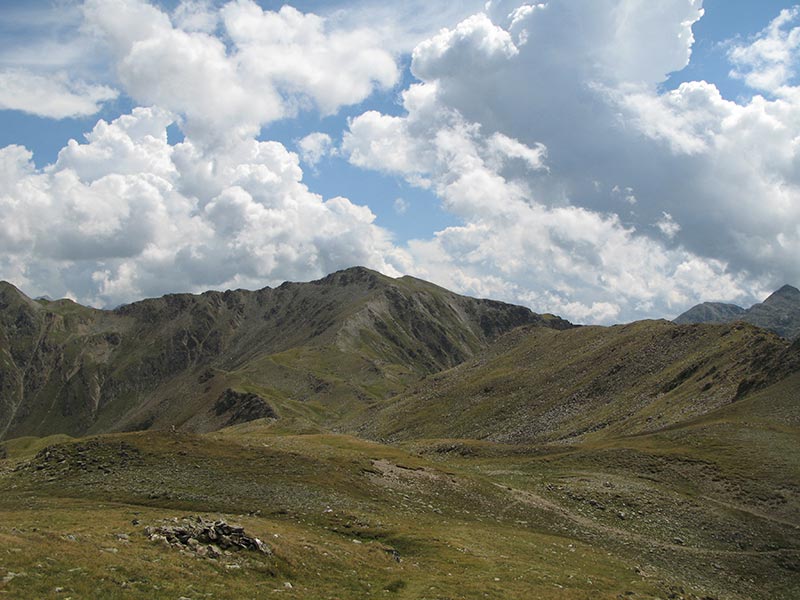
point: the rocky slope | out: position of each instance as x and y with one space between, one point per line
309 352
779 313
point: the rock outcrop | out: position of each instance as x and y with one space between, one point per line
208 539
242 407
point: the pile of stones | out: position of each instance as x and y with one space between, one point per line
209 539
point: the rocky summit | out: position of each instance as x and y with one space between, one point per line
362 436
779 313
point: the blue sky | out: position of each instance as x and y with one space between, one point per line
725 21
592 175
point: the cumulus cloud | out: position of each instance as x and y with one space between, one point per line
382 142
129 215
565 259
54 95
569 230
314 147
769 63
576 184
475 44
267 65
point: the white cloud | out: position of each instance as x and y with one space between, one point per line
564 259
506 148
400 25
476 44
332 68
128 216
400 206
596 312
196 15
769 63
54 95
617 40
314 147
588 108
278 63
668 226
576 184
382 142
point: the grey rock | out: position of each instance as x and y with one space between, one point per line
206 539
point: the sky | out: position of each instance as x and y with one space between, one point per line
604 160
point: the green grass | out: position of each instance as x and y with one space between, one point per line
467 519
25 447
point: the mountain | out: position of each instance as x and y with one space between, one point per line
779 313
539 386
711 312
306 352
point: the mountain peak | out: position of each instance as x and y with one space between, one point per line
787 292
354 275
355 334
12 295
779 313
710 312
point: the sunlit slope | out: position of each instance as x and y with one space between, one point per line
539 385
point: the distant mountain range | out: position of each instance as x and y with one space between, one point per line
779 313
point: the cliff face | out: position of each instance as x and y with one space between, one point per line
311 350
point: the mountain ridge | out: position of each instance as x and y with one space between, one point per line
506 452
779 313
308 350
556 387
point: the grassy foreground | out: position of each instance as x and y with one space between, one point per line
675 514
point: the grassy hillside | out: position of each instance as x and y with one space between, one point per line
587 383
511 455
